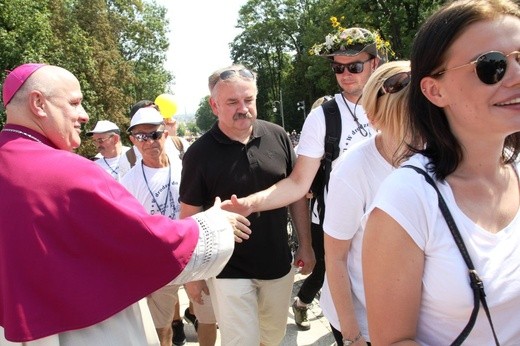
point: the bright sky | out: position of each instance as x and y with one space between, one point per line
200 33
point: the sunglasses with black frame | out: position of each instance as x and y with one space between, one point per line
353 67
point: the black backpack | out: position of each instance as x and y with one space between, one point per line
332 137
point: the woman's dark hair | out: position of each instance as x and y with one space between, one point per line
428 54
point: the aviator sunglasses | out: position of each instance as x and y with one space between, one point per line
143 137
243 72
394 83
490 67
227 74
353 67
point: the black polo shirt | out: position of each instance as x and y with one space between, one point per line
214 165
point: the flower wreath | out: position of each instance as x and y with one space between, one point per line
344 39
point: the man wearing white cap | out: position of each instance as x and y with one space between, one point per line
175 147
155 183
82 251
107 140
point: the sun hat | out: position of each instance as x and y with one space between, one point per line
147 115
15 79
103 126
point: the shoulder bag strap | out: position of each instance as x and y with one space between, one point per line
332 138
178 144
130 155
475 282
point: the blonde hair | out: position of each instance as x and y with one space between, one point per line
388 111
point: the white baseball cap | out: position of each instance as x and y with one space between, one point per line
103 126
146 115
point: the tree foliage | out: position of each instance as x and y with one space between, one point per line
204 117
116 48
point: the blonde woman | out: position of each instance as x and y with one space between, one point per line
353 184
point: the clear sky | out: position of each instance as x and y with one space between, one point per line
200 33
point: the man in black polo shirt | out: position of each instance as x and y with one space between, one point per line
241 155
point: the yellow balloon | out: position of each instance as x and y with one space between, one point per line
167 105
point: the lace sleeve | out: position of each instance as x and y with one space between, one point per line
213 250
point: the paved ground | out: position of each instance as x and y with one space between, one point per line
318 335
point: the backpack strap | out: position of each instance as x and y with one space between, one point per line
130 155
479 296
332 137
178 144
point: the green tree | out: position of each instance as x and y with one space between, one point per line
142 29
23 40
204 117
116 48
269 43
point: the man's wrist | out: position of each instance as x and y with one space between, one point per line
349 342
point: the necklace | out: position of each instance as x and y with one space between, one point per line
114 171
162 209
361 129
23 133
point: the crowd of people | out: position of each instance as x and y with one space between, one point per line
403 189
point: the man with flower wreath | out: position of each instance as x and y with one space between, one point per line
354 55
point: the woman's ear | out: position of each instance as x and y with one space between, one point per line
432 90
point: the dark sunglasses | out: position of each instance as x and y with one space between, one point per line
490 67
143 137
395 83
243 72
353 67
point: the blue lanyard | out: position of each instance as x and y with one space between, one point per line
163 209
113 171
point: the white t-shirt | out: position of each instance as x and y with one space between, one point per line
447 299
156 188
352 188
312 137
170 148
111 165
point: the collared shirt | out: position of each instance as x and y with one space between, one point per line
215 165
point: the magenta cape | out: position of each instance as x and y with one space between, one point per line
75 246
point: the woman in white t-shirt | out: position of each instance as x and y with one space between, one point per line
352 187
465 104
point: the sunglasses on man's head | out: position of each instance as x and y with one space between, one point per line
353 67
394 83
143 137
490 67
242 72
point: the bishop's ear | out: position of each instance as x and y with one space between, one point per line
37 103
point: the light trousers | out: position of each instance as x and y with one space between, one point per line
251 311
